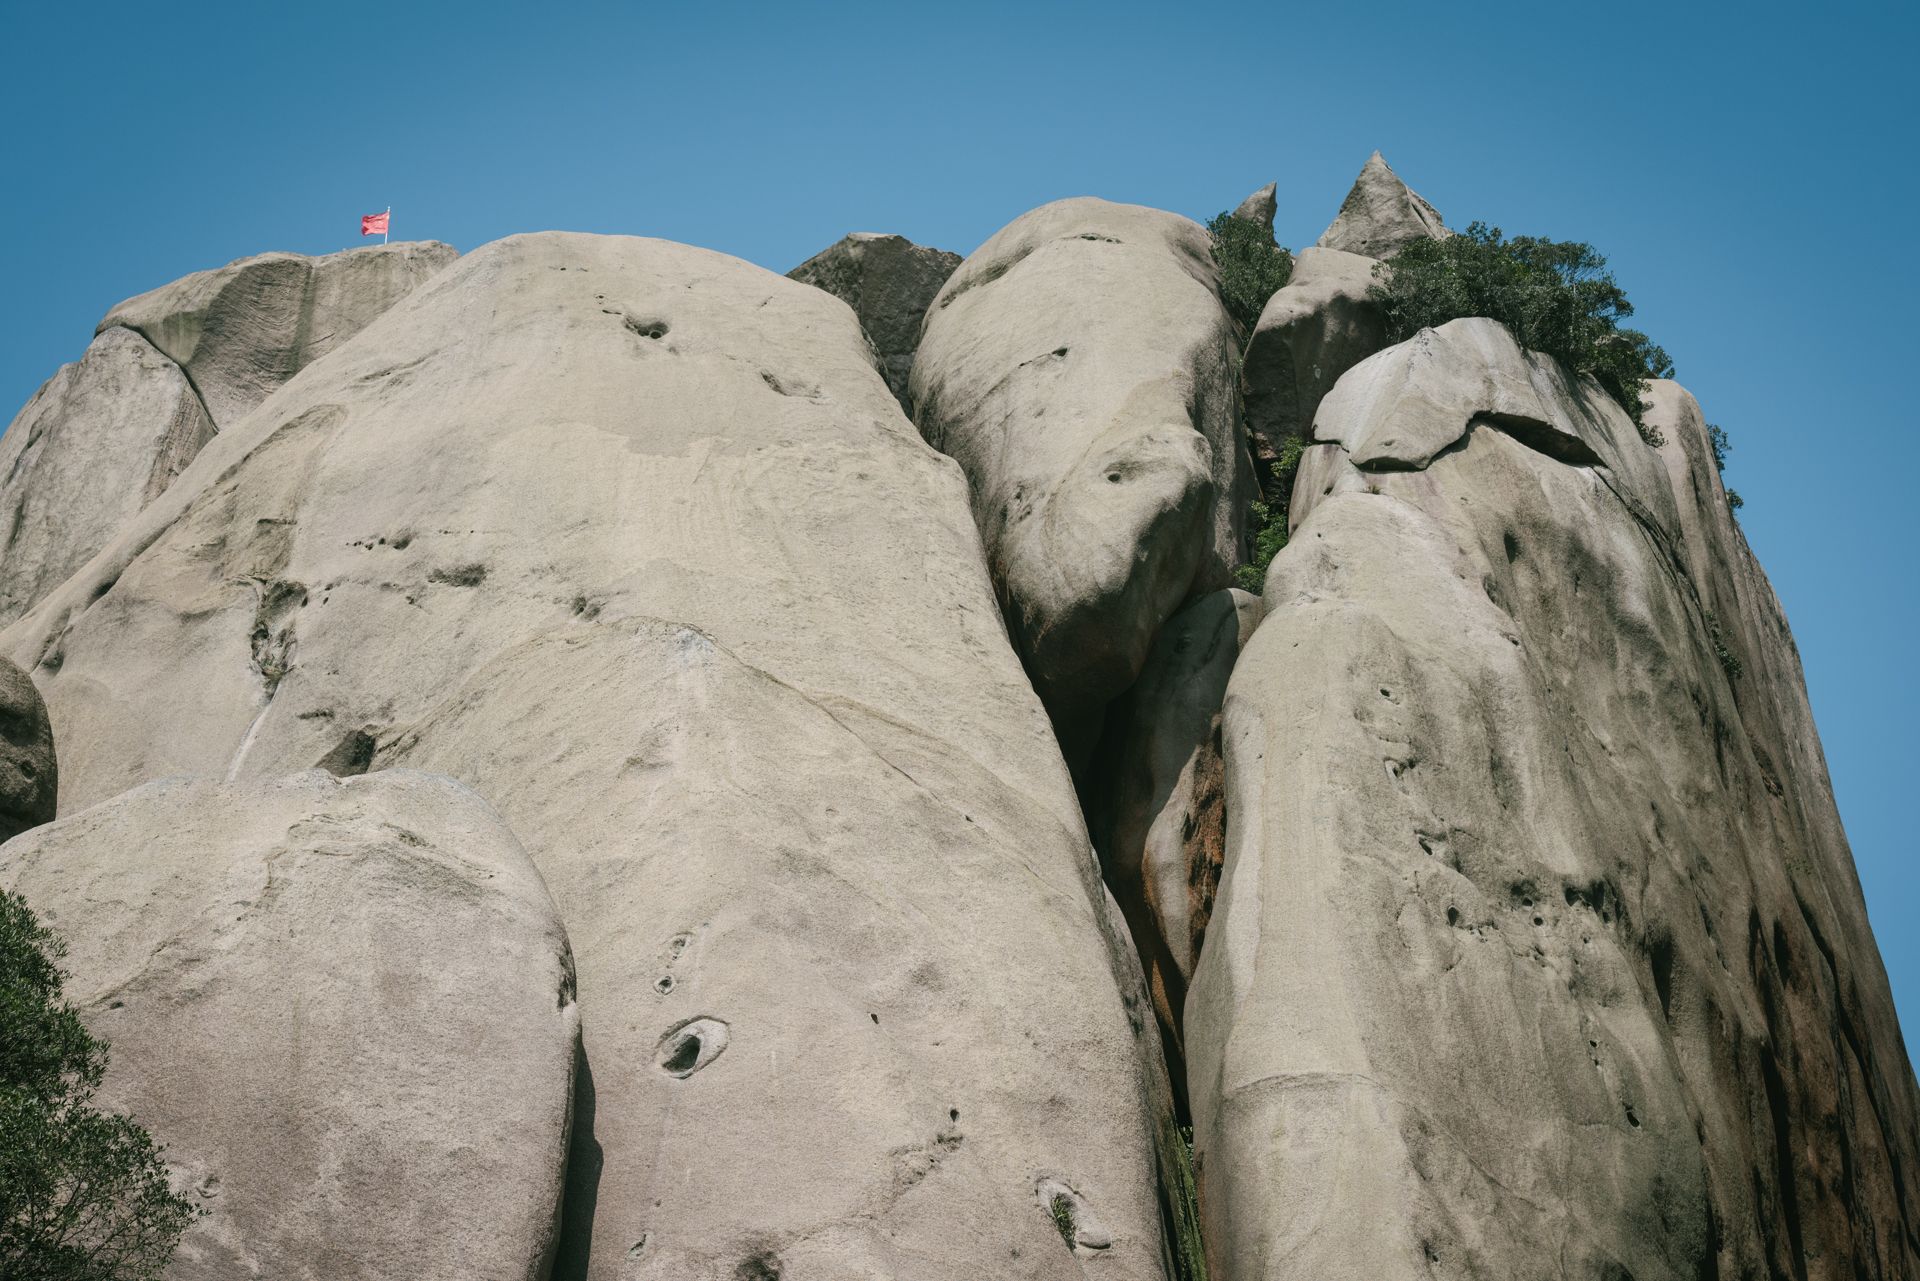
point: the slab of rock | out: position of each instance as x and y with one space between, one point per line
241 330
1260 207
29 773
94 445
1534 952
632 539
889 282
1160 816
1319 325
1381 215
1080 367
345 1009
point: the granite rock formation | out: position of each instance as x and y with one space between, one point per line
889 282
1381 215
345 1008
1529 954
1079 366
99 441
240 331
1320 324
935 833
690 602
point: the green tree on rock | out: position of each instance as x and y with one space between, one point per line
1557 297
83 1193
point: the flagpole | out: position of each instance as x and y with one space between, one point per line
386 224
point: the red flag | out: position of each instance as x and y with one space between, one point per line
374 224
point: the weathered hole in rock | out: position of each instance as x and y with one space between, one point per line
690 1046
647 328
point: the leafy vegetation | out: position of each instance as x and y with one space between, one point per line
1270 517
83 1193
1729 661
1252 267
1556 296
1190 1256
1062 1211
1722 446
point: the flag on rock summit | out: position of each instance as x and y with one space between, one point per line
375 224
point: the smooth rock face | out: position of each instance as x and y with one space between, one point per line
29 775
1259 207
345 1009
94 445
1538 951
1079 367
631 538
889 282
1381 215
1319 325
242 330
1160 822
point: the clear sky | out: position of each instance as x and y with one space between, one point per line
1748 168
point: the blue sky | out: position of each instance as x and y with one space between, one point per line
1749 169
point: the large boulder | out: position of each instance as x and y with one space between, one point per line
1320 324
96 443
1080 367
1381 215
889 282
29 774
345 1009
241 330
1534 953
631 538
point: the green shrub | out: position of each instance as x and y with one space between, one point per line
83 1193
1717 441
1729 661
1556 296
1270 517
1252 267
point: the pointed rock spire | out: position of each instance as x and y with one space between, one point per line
1381 215
1259 207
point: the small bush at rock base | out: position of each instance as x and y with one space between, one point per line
1252 267
1555 295
83 1193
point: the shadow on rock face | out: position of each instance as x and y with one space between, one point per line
583 1178
29 777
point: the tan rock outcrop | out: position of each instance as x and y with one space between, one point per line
1381 215
1320 324
241 330
631 538
1079 367
345 1009
889 282
1529 955
99 441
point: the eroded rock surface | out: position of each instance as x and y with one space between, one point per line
631 538
1319 325
346 1010
1381 215
1529 956
94 445
1079 366
29 774
889 282
241 330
